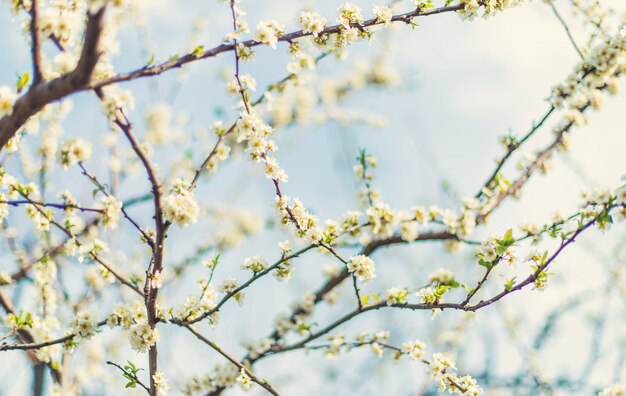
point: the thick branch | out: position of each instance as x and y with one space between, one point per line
39 95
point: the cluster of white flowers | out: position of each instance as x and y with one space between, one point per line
471 8
267 32
415 349
441 276
306 225
228 286
497 248
396 295
350 14
114 99
283 324
97 277
428 295
40 217
583 87
312 23
599 201
44 277
375 341
222 151
284 271
195 307
220 376
236 86
7 100
42 330
253 130
383 14
408 228
244 380
439 365
337 342
255 264
382 219
301 62
127 315
180 206
85 251
362 267
73 151
160 381
111 211
142 336
84 324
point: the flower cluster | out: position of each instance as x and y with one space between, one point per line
383 14
195 307
161 382
142 336
244 380
111 211
45 275
396 295
350 14
312 23
255 264
73 151
268 33
115 99
84 324
362 267
180 206
584 86
304 223
415 349
471 8
220 376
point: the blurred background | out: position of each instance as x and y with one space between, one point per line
458 86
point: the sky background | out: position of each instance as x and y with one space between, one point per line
462 86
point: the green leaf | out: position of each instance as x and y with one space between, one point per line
508 285
501 249
22 81
486 264
197 52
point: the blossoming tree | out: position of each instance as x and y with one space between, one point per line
115 247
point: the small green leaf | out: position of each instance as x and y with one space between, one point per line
22 81
197 52
508 285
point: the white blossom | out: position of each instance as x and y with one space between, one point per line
362 267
